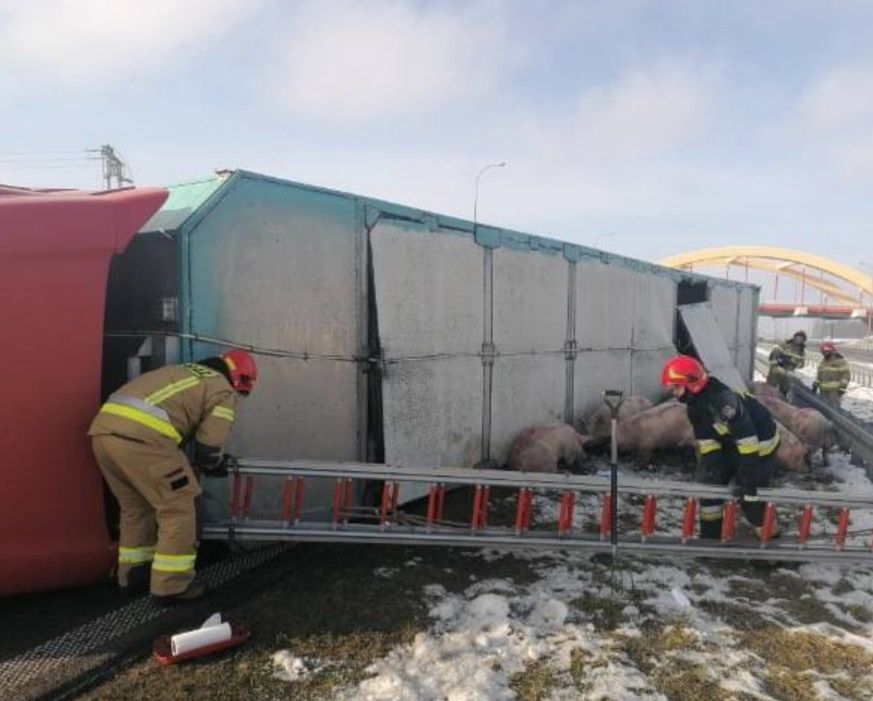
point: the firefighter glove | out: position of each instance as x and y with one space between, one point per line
227 462
206 457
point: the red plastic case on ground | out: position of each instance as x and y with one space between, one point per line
161 647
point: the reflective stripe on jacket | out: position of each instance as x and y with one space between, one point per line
169 405
788 355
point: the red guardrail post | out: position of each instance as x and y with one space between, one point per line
288 487
477 508
431 505
605 517
842 528
298 501
729 521
689 519
805 524
769 523
235 495
338 489
647 527
247 499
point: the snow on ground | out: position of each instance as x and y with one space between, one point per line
644 629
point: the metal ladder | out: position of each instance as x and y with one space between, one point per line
345 522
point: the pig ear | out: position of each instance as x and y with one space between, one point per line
584 439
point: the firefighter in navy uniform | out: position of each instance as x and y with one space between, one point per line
138 438
736 439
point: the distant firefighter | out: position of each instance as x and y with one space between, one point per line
137 439
736 439
787 356
833 374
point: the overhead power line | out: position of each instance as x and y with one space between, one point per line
116 171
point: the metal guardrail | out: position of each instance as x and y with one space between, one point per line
851 431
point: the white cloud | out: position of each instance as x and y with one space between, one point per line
349 61
80 43
832 123
643 115
841 99
646 112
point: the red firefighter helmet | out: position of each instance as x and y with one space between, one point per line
827 347
684 371
242 369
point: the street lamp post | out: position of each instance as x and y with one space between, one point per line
502 164
489 351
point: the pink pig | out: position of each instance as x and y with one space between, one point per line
817 432
809 425
792 454
660 427
547 448
599 423
782 411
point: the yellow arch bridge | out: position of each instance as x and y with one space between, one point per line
843 292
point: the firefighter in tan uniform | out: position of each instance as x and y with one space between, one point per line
137 438
787 356
832 375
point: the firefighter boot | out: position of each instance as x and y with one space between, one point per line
137 580
754 512
194 592
710 517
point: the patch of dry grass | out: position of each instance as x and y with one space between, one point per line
656 643
802 650
658 653
605 613
533 683
787 685
347 657
751 590
580 662
795 659
688 681
738 616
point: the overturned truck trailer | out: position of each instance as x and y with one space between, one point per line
389 334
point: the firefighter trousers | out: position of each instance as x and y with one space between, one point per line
720 467
780 378
156 490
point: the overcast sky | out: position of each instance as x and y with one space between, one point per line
648 128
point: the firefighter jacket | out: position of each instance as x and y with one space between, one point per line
788 355
170 405
833 374
728 420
